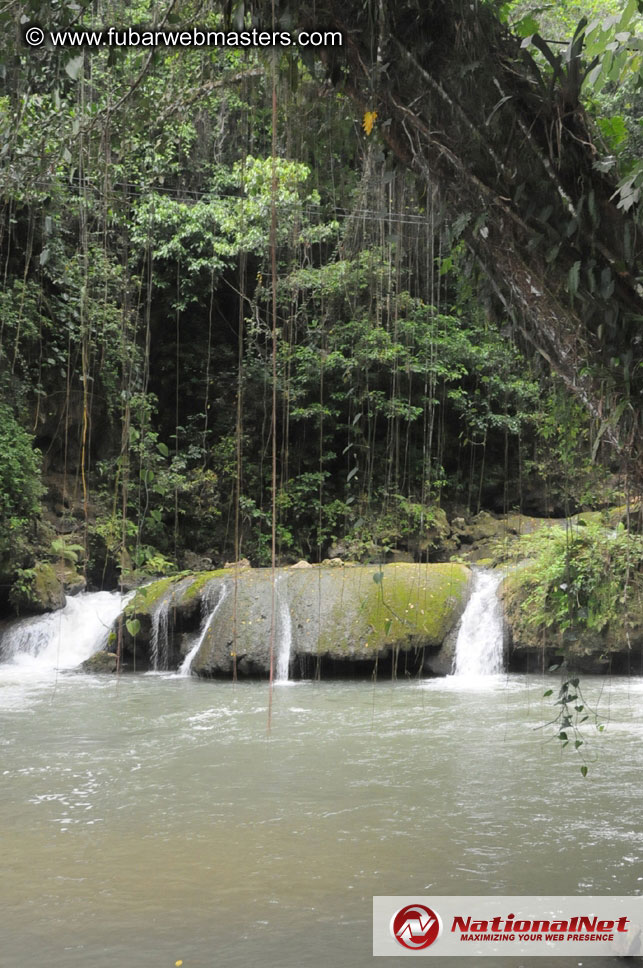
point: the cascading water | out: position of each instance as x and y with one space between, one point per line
159 643
478 649
285 635
211 602
63 639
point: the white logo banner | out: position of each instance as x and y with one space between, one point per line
538 926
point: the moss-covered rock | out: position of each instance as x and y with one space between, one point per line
72 582
37 590
613 642
345 615
485 536
180 596
101 663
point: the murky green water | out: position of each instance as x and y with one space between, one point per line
152 819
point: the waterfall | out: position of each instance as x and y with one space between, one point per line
209 609
478 649
159 644
285 635
63 639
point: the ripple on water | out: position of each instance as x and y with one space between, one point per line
165 807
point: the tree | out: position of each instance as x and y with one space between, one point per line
507 144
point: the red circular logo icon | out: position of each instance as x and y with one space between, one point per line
416 926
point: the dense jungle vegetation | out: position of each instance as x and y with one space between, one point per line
307 289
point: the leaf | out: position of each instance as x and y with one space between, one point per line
133 626
583 770
573 278
377 577
163 449
526 27
73 67
351 474
502 100
369 121
614 130
548 693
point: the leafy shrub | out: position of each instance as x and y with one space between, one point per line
20 488
583 577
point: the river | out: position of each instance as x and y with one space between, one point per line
152 819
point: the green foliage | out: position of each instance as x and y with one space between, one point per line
22 592
572 712
601 53
150 561
587 577
133 626
136 305
205 236
68 552
564 456
20 488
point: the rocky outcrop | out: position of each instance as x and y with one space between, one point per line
466 538
67 575
616 648
162 615
38 590
340 620
100 663
484 536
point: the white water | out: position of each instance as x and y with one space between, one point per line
159 640
208 611
63 639
285 636
478 650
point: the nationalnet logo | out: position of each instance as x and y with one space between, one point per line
416 926
533 926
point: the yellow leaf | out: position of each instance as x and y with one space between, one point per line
369 121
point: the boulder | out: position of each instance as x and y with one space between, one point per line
72 582
39 590
584 650
242 563
100 662
349 619
342 617
193 562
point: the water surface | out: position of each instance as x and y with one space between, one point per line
152 818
